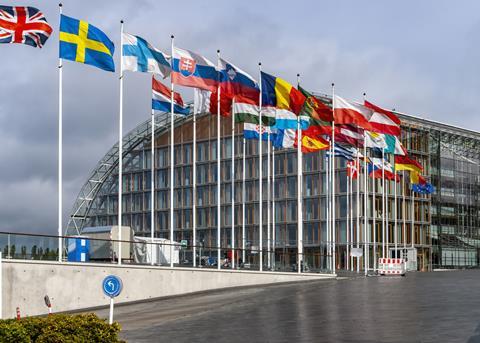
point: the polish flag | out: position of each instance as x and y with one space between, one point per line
349 112
383 121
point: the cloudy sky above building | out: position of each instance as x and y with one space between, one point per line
420 58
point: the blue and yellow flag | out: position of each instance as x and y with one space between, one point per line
84 43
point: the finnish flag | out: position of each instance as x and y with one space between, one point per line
139 55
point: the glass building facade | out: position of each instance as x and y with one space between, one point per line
443 227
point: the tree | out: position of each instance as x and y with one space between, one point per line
23 251
34 252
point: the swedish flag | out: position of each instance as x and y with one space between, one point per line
84 43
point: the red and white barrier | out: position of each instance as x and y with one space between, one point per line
391 266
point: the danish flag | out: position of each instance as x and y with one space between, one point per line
352 169
24 25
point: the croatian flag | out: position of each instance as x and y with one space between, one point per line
192 70
161 99
252 131
141 56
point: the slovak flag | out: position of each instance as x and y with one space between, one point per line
192 70
161 99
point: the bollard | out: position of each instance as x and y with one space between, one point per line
49 304
18 313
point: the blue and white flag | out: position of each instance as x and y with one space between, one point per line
161 99
139 55
284 138
252 131
348 153
285 119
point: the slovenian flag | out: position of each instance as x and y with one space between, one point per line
236 82
192 70
161 99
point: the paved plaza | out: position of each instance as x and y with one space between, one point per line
422 307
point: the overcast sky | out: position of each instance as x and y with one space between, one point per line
419 57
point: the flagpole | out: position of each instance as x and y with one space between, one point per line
120 150
374 219
387 230
260 178
194 189
366 248
299 194
395 212
243 202
383 202
348 218
327 202
358 210
218 171
351 221
404 224
273 208
269 262
413 217
233 187
172 162
152 186
60 152
334 231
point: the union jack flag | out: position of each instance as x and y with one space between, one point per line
25 25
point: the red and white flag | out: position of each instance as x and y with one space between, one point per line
349 112
352 169
383 121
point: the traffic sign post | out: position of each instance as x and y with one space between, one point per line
112 287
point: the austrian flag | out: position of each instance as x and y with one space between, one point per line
24 25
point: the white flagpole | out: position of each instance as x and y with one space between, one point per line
233 187
404 223
194 190
269 261
120 150
348 218
328 199
152 186
413 217
172 164
366 247
387 230
358 209
351 221
243 202
383 203
395 213
299 193
273 208
60 153
219 207
374 219
334 231
260 176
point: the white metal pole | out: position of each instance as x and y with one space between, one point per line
234 255
1 285
365 214
374 219
404 223
269 257
172 162
219 207
152 188
273 209
260 176
327 202
383 203
194 190
395 213
110 317
243 202
351 222
348 219
120 150
334 231
358 210
299 193
413 217
60 153
387 226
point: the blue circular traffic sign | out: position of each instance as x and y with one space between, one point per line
112 286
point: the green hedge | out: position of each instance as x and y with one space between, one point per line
59 328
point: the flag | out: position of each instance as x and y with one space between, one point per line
252 131
426 188
375 169
319 112
394 146
375 140
312 143
407 163
284 138
139 55
24 25
84 43
161 99
193 70
287 100
247 111
348 153
383 121
352 169
347 112
206 102
235 82
349 134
